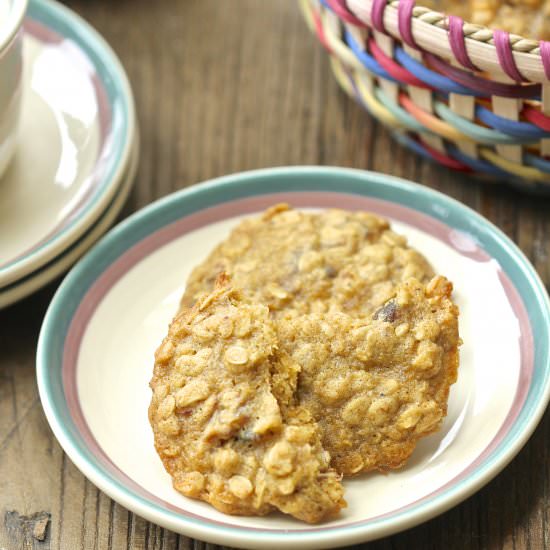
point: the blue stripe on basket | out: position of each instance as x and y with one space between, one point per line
412 144
512 127
433 79
478 165
538 162
476 131
366 59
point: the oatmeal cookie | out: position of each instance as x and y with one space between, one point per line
373 385
529 18
226 423
312 262
376 385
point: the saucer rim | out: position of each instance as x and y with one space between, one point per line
63 262
113 76
16 17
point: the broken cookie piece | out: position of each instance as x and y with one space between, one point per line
377 385
226 424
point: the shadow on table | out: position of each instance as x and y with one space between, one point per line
20 323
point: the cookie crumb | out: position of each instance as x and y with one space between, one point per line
41 526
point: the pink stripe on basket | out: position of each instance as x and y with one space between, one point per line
482 85
340 8
320 31
404 21
458 42
545 57
444 159
377 15
395 70
505 55
537 118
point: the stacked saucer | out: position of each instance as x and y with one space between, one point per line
76 155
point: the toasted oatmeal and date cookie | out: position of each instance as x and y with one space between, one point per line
226 423
312 262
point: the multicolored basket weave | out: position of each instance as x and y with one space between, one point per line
471 98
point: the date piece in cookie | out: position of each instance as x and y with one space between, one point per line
226 425
379 384
304 262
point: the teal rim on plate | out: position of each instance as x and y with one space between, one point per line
161 221
51 22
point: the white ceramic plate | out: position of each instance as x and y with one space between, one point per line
60 264
114 308
76 133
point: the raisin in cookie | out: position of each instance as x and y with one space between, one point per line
376 385
304 262
226 423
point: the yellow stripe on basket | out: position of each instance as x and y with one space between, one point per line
307 11
376 108
525 172
338 47
373 105
341 76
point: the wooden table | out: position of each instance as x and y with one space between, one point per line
222 87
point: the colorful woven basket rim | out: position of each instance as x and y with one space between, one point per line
473 46
473 122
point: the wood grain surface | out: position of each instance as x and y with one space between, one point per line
222 87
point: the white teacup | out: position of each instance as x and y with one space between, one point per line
12 13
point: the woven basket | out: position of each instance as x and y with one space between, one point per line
473 99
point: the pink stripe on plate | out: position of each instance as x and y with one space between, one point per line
459 242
